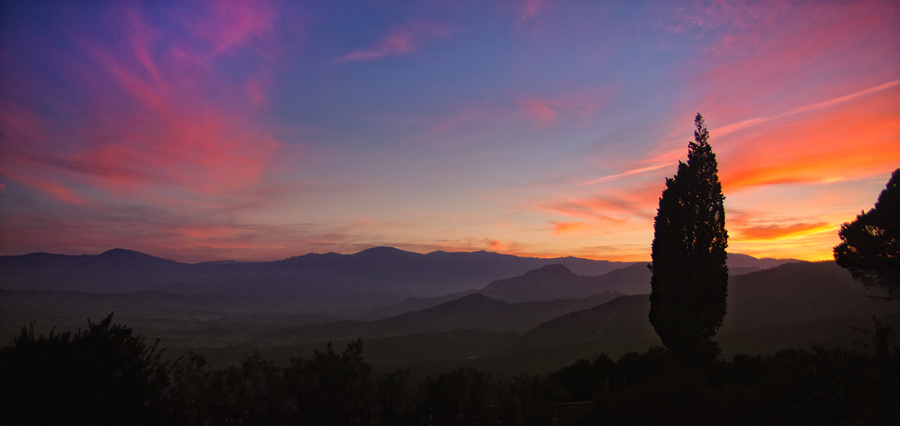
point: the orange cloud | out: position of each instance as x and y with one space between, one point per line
564 227
495 245
850 140
779 232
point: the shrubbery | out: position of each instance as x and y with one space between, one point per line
102 375
105 375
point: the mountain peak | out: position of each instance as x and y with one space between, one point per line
120 252
384 251
545 283
551 270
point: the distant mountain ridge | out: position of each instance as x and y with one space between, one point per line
333 282
330 283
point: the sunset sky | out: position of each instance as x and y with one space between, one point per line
261 130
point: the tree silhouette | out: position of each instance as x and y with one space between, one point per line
690 276
102 375
332 388
870 245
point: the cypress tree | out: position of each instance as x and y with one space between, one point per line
690 275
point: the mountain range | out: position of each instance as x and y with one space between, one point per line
335 283
426 311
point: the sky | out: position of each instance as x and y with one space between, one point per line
260 130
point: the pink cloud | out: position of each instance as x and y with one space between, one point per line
532 8
581 107
256 90
612 207
735 15
235 23
151 124
772 49
402 41
540 111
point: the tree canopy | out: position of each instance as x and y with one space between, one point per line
870 245
102 375
690 276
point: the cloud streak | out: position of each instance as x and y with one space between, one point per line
734 127
402 41
171 137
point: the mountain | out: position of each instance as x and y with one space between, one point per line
634 279
793 305
796 292
738 260
618 326
470 312
337 284
548 282
788 306
114 271
557 281
329 282
411 304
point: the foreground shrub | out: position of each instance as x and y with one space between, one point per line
104 375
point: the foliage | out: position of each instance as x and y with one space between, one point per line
797 386
458 397
332 388
392 396
528 400
102 375
690 276
870 245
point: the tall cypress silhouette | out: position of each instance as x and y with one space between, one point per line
690 275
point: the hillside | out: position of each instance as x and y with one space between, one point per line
792 305
548 282
470 312
557 281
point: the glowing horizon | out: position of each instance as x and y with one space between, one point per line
263 130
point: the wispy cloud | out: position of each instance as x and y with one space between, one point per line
751 122
741 171
405 40
572 108
779 232
171 135
542 112
529 9
854 139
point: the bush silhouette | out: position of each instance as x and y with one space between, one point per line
332 388
99 376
